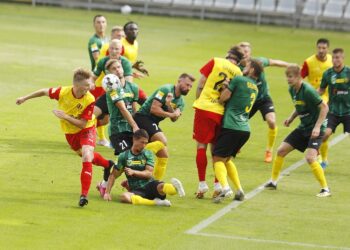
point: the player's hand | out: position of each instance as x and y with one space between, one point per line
92 86
315 133
287 122
59 113
129 171
107 197
135 128
20 100
137 75
138 65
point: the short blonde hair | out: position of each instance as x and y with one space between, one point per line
293 69
110 62
244 44
81 74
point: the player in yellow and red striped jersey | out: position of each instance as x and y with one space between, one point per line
75 111
208 110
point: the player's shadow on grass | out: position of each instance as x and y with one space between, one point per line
18 146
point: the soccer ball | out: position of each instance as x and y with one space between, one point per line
110 82
126 9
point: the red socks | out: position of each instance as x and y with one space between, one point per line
201 160
85 177
100 161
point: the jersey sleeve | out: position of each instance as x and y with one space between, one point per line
135 90
304 70
324 82
127 67
88 112
121 162
93 46
161 94
232 84
149 158
54 93
207 69
115 95
264 61
99 68
181 105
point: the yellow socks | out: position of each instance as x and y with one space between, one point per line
221 173
271 138
155 146
169 189
101 132
138 200
276 167
324 151
159 168
233 174
318 173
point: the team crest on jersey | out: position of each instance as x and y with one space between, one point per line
114 95
334 79
79 106
159 95
173 105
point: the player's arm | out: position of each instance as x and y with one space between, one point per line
96 55
291 118
225 95
126 114
111 179
35 94
278 63
323 85
80 123
200 86
156 109
321 117
304 70
144 174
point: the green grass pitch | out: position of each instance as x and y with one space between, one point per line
39 174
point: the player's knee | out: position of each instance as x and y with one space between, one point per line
310 158
281 151
160 187
163 153
125 198
87 154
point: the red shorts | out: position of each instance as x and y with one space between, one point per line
206 126
97 92
86 136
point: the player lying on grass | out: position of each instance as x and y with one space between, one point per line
75 111
137 164
312 111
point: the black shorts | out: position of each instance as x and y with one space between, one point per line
229 142
334 121
149 191
147 123
101 102
121 142
265 106
300 140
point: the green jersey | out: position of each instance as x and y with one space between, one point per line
244 93
160 95
135 162
261 82
338 84
129 94
101 66
94 45
306 102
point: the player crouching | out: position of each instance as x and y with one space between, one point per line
137 163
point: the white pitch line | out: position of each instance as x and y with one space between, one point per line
205 223
300 244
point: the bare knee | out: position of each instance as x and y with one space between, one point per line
163 153
125 198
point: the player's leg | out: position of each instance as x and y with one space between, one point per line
311 158
86 173
136 199
100 112
267 111
332 124
162 156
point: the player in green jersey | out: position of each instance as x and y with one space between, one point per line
312 111
165 102
239 96
264 101
137 164
98 39
337 79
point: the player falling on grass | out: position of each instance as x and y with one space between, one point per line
337 79
312 111
239 96
165 102
137 164
101 110
208 110
75 112
313 69
264 102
